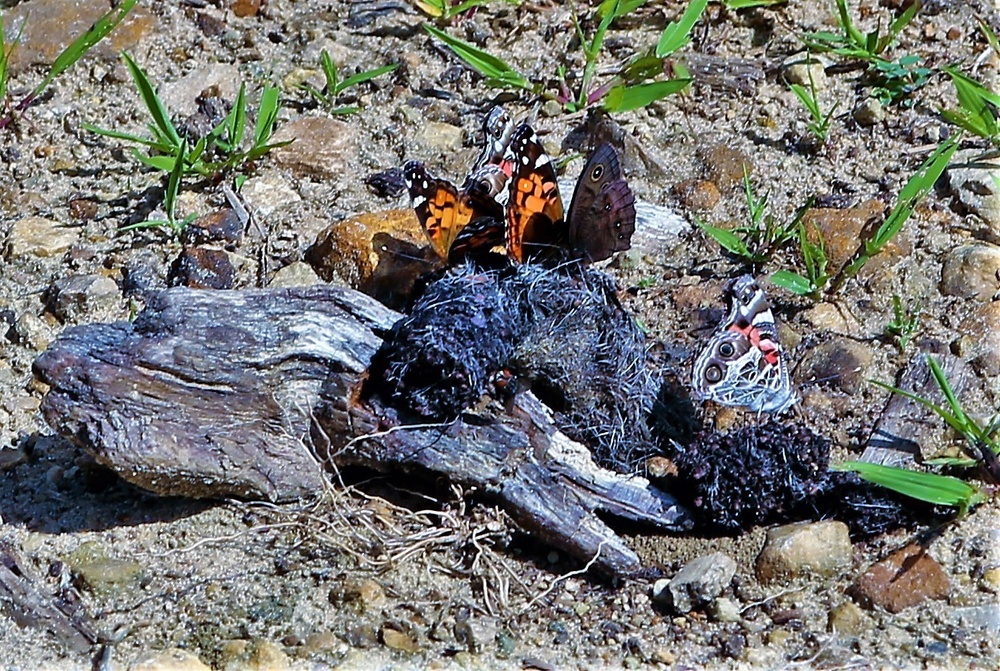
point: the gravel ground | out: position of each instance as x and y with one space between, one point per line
382 576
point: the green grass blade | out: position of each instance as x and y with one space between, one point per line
267 114
128 137
174 182
81 45
152 101
678 33
797 284
362 77
494 69
941 490
949 419
329 72
847 25
237 119
991 36
807 99
260 150
899 24
159 162
625 98
6 51
726 239
918 186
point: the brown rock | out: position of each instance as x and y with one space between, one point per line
202 268
725 165
243 8
841 363
905 578
173 659
972 271
51 25
793 550
224 226
842 230
697 194
381 253
321 146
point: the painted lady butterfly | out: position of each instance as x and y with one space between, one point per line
743 363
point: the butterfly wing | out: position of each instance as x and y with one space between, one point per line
743 363
535 217
601 217
458 222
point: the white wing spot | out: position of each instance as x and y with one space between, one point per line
418 201
543 159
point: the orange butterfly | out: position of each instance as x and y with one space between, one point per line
601 217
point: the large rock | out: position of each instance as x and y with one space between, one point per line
795 550
51 25
970 271
79 297
38 236
700 581
321 147
904 579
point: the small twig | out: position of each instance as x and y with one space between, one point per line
564 576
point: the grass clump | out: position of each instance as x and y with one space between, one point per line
891 80
632 86
326 97
981 444
222 152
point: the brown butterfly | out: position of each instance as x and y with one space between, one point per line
601 218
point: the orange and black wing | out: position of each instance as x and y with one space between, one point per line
458 222
535 220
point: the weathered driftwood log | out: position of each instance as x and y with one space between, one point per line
248 393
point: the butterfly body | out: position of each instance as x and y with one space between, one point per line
743 363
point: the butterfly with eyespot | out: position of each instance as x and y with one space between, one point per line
601 216
467 221
743 363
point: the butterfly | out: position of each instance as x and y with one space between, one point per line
601 216
469 220
743 363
